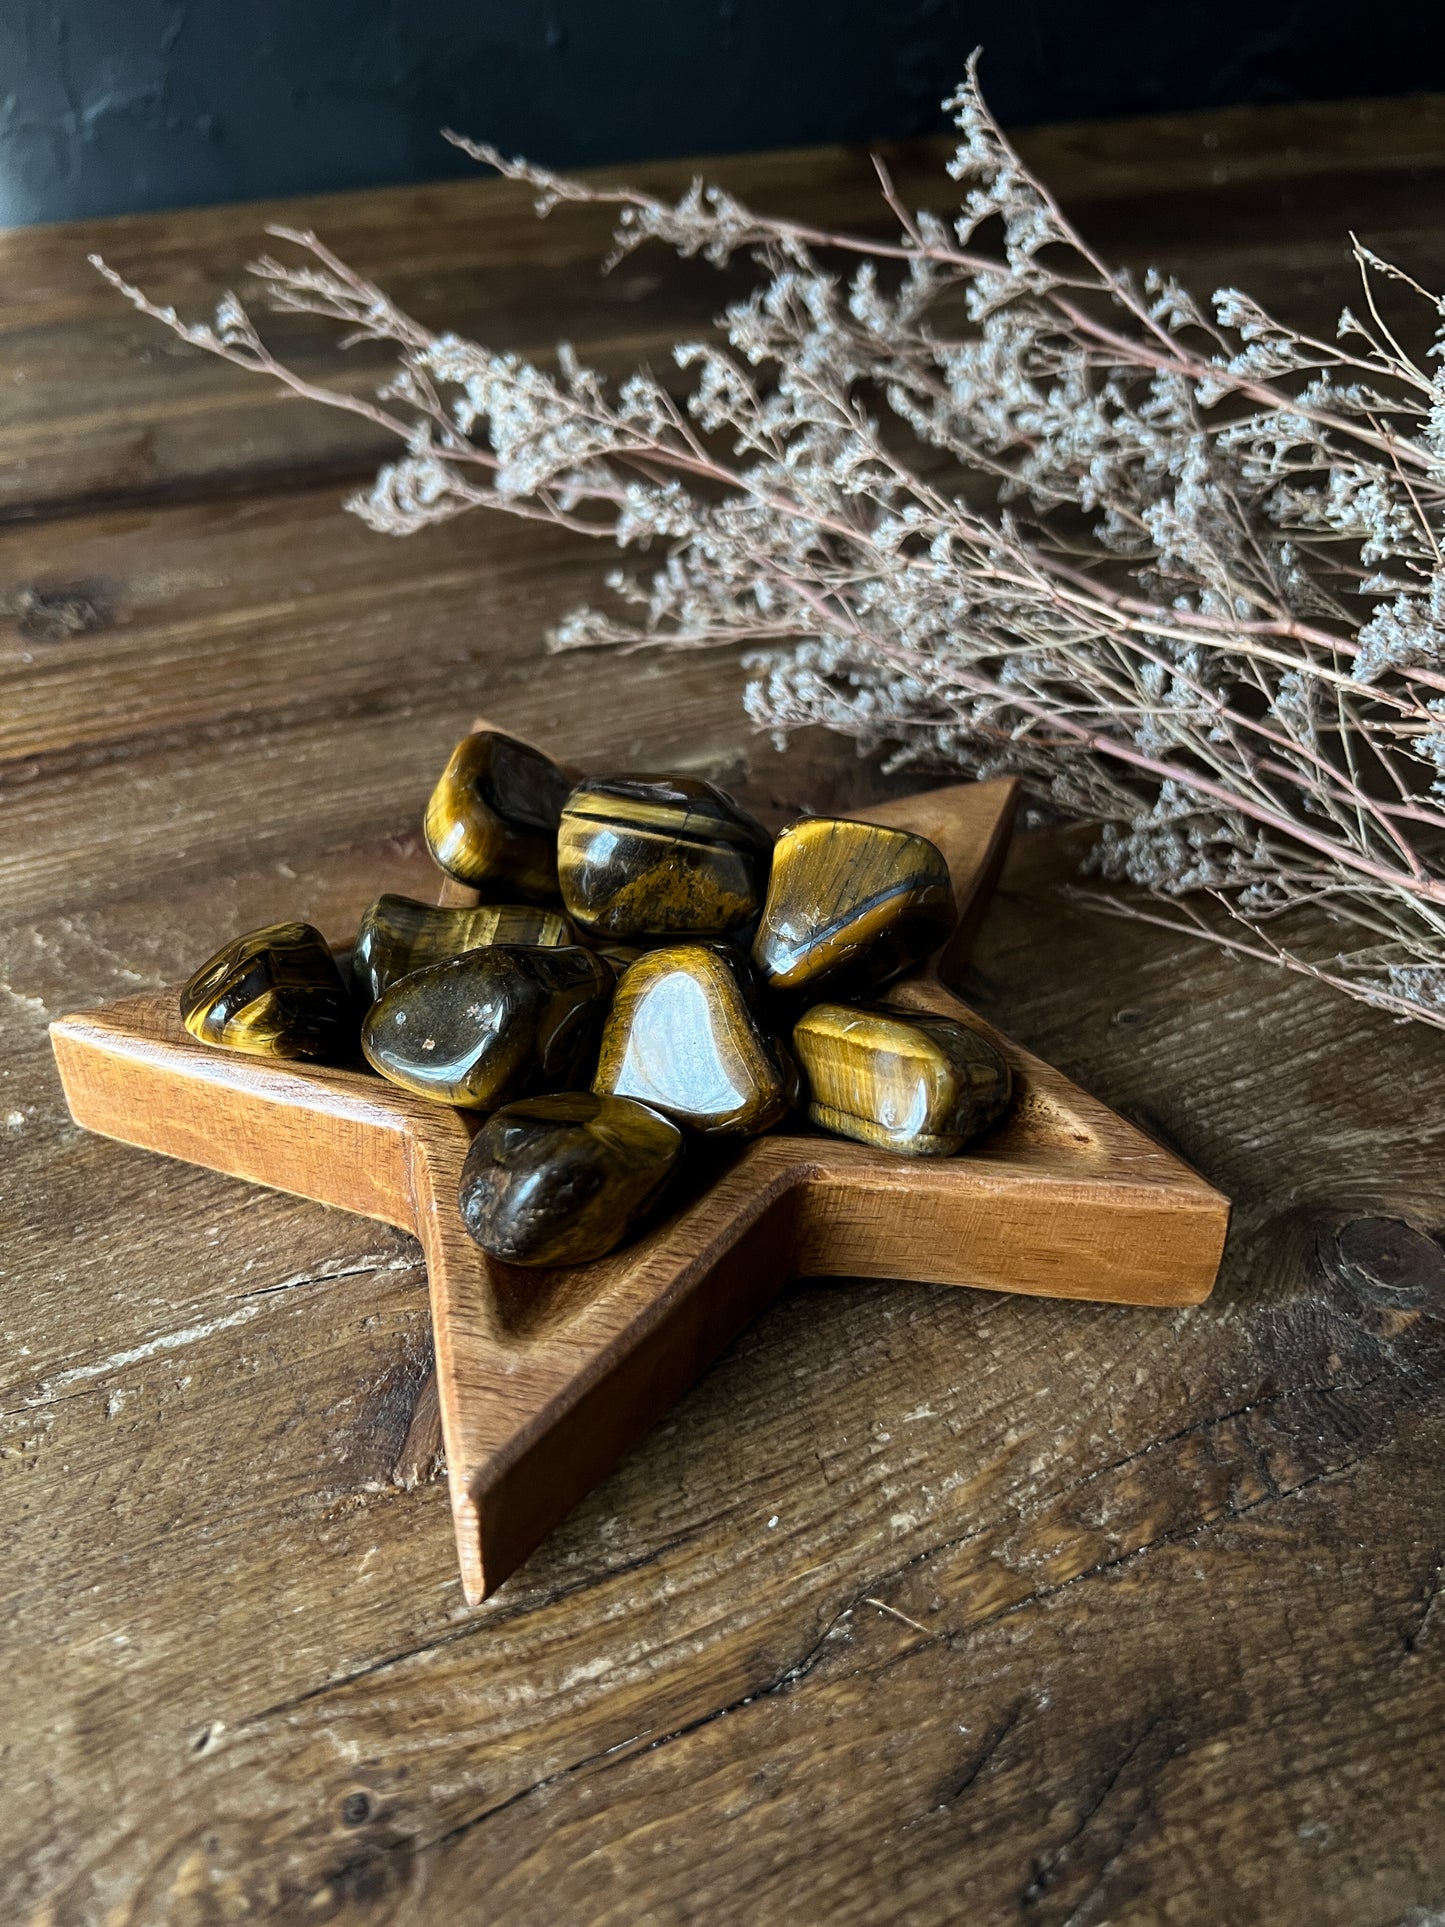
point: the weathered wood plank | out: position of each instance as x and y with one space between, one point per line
1034 1791
1009 1483
102 405
1177 1575
120 626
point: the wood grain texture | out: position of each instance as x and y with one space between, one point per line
544 1381
102 408
924 1605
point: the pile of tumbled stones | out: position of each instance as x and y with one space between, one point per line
647 963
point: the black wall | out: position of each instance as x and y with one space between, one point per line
110 105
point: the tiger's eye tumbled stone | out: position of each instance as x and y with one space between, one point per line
561 1180
659 856
681 1037
496 1024
910 1082
275 992
492 819
399 935
850 904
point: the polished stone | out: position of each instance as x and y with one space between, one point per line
907 1082
399 935
682 1036
561 1180
274 992
660 856
850 905
492 819
493 1025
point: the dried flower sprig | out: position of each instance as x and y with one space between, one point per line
1006 509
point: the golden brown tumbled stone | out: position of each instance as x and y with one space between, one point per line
906 1082
496 1024
274 992
850 905
399 935
561 1180
659 856
492 819
681 1037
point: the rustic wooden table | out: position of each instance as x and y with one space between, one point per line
926 1605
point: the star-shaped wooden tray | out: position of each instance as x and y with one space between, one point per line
546 1378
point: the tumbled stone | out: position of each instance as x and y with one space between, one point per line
682 1037
659 856
399 935
492 819
850 905
561 1180
907 1082
493 1025
274 992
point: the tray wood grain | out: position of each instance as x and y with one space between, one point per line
546 1379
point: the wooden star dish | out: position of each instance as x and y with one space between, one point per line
546 1378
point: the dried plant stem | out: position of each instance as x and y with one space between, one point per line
1204 607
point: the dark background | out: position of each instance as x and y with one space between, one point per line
112 105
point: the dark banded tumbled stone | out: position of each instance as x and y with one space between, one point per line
561 1180
492 819
905 1081
274 992
850 905
399 935
682 1036
493 1025
659 856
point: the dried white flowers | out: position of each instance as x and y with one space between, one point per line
988 499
